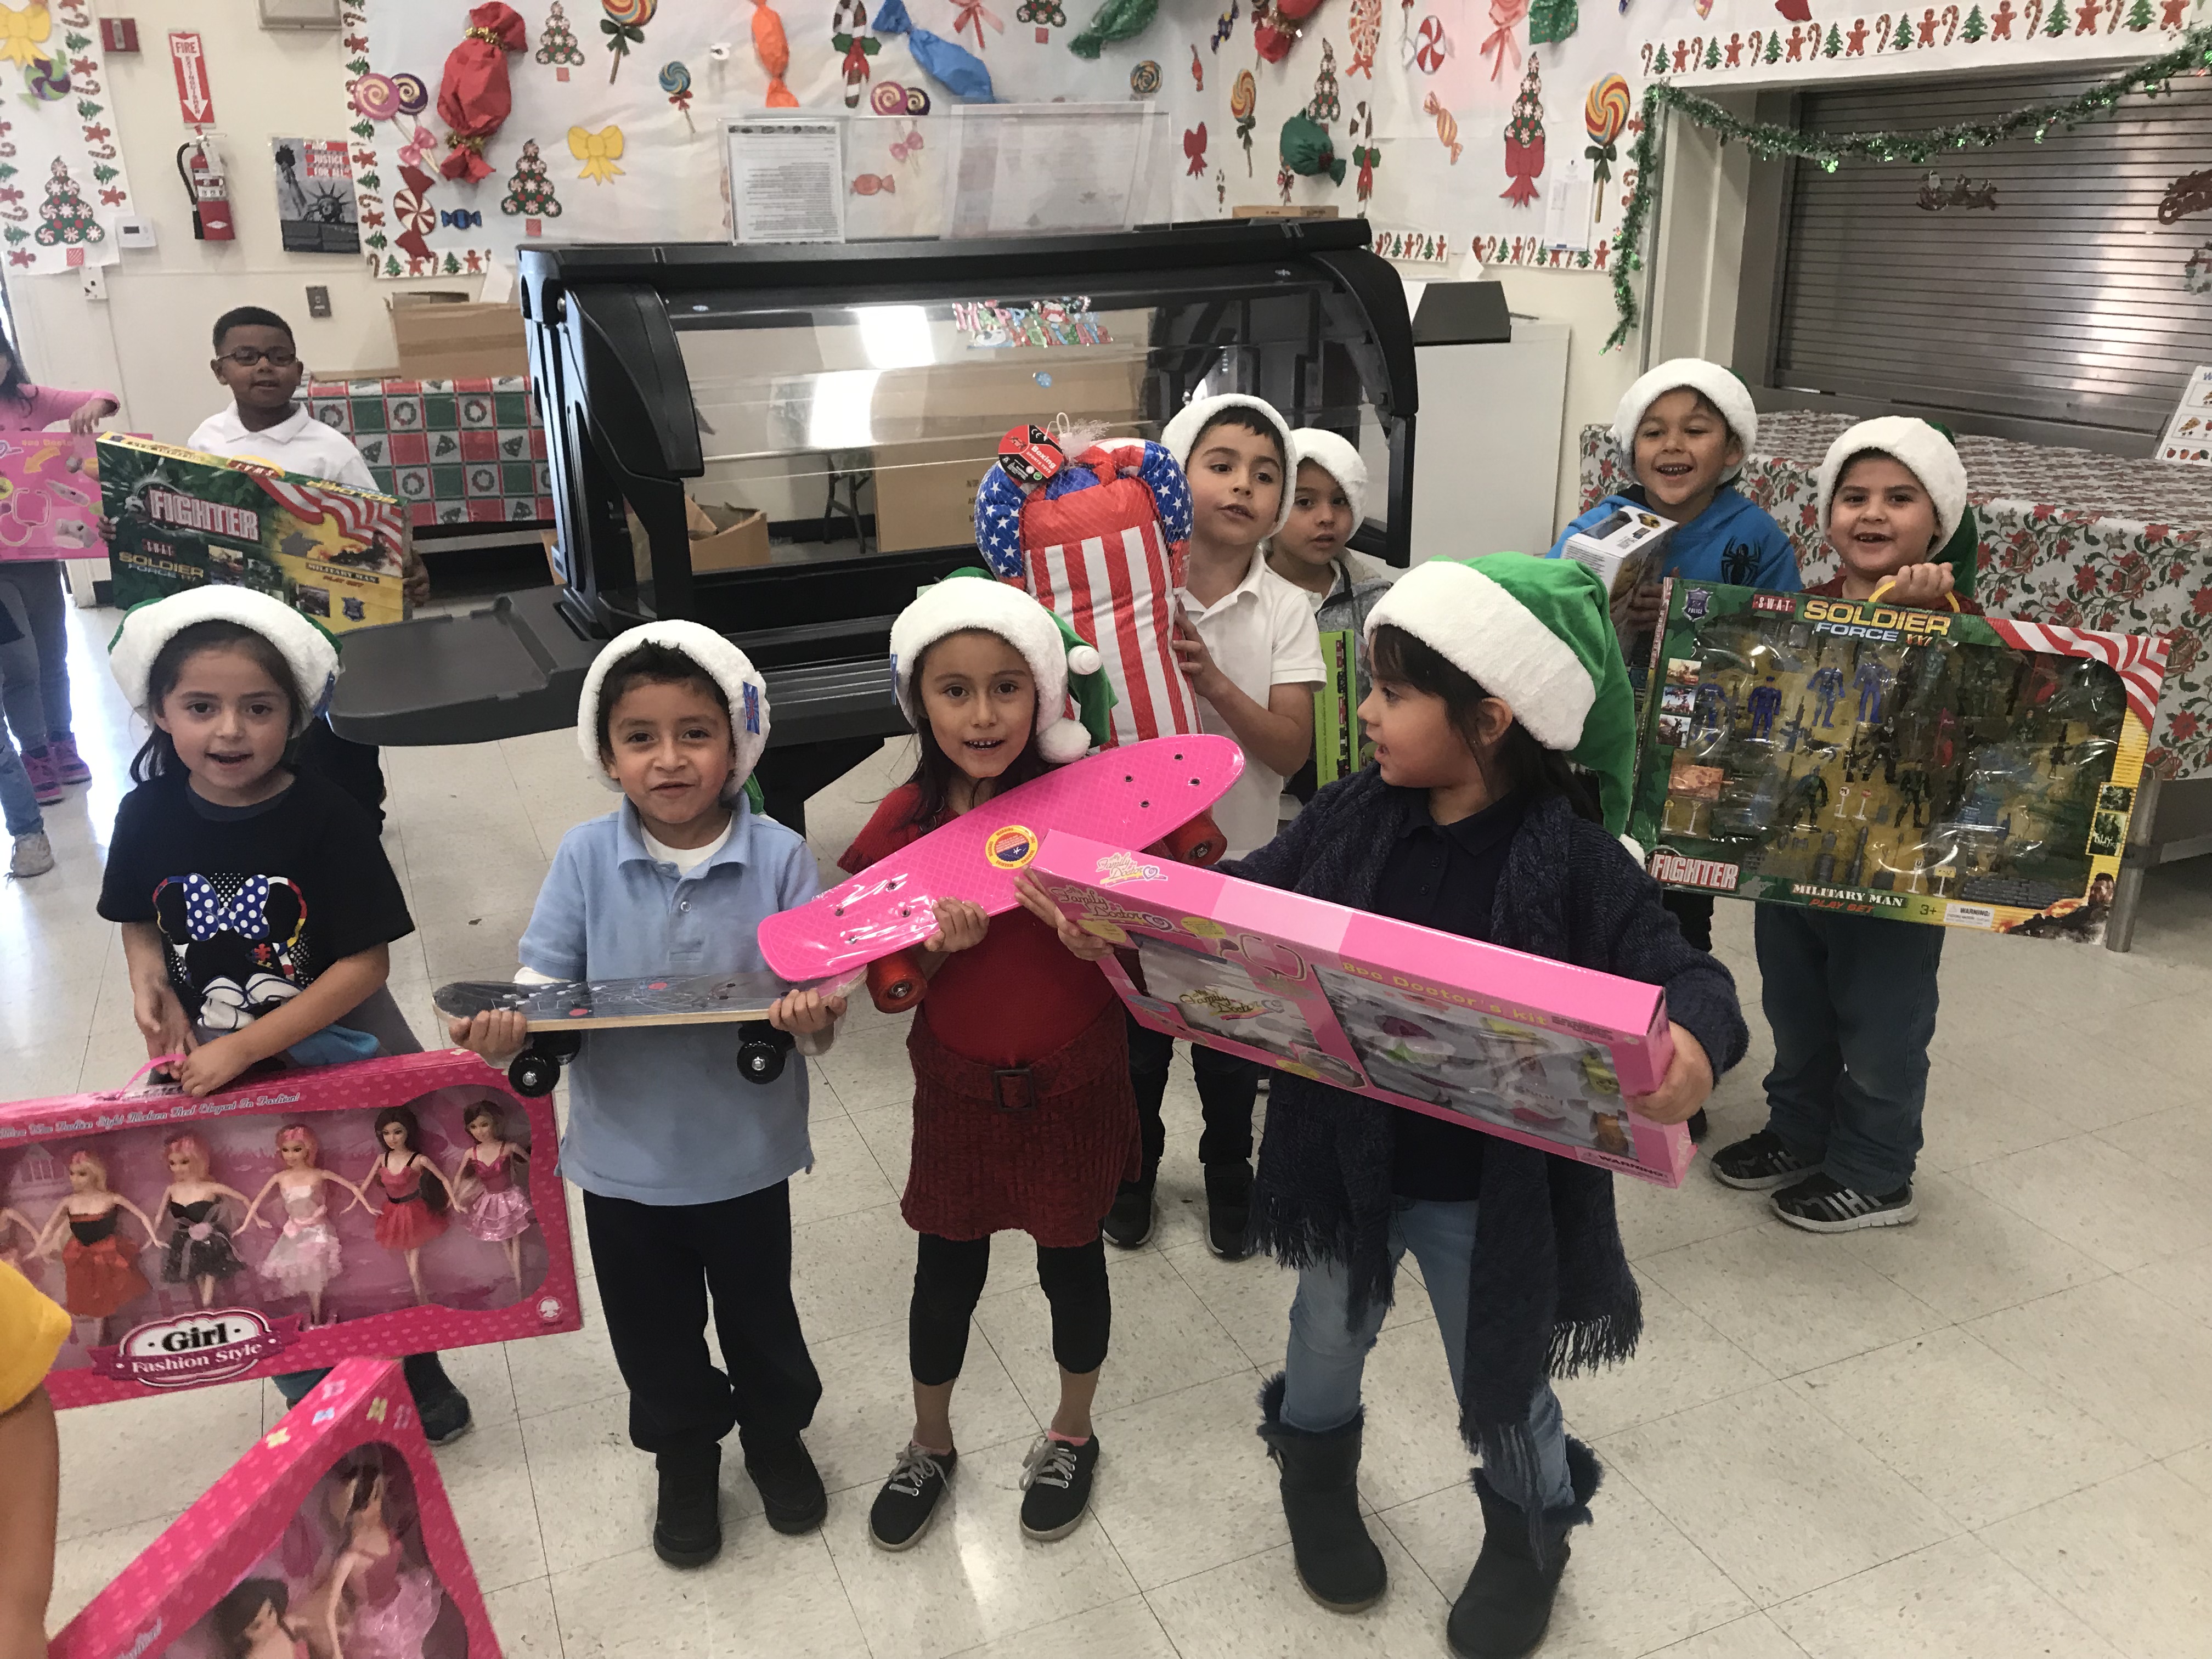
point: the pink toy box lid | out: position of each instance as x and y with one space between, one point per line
281 1520
1520 1047
139 1327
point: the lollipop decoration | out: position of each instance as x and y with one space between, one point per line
852 17
376 97
625 27
414 97
1144 79
676 82
1447 126
1243 98
887 98
474 98
1605 115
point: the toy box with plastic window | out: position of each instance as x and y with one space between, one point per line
1874 759
392 1206
332 1537
1532 1050
50 496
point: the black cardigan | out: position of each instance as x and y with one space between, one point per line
1550 1292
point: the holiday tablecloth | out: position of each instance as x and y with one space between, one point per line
456 452
2069 537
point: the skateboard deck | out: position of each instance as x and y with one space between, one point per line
1131 796
588 1004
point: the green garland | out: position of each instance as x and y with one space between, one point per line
2193 55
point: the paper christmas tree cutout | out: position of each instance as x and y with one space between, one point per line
2139 17
2056 27
66 217
1773 46
1834 44
556 41
1975 28
1713 54
1524 139
1553 19
529 192
1903 41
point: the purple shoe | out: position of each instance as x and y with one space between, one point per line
45 781
69 765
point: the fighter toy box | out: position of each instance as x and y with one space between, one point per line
1882 760
390 1207
181 518
1524 1048
49 496
333 1536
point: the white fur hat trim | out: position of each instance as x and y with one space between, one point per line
1928 454
960 604
1483 630
1179 434
742 686
311 654
1719 387
1339 459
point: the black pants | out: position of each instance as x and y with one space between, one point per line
1694 911
657 1266
948 1277
1227 1086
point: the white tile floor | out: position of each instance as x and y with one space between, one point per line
1988 1434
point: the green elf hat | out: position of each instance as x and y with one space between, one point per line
1066 667
1536 633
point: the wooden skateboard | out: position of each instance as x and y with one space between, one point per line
558 1014
1142 794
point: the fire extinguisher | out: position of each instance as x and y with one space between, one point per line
202 172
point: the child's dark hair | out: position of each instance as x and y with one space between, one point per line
242 1606
653 664
934 770
1244 418
248 317
158 754
15 379
1526 765
433 1195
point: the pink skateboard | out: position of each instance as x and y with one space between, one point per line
1138 795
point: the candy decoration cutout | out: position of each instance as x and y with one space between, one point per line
1429 46
1506 16
1524 140
852 17
869 183
1194 149
556 43
529 192
1308 151
1144 79
1225 25
376 97
1447 126
625 27
599 152
1275 31
474 96
1243 98
1117 19
413 214
1604 117
414 97
1553 19
1364 155
972 15
772 47
1197 68
1366 29
887 98
959 71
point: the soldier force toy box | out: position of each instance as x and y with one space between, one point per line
1923 765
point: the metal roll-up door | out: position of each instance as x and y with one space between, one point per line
2065 303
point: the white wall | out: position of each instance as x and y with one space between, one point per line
148 340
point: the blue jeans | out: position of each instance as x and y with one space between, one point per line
1328 1354
19 802
1852 1003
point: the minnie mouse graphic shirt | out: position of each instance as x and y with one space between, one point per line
252 901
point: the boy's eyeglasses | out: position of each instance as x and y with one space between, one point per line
247 357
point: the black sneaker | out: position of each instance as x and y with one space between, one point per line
1821 1206
1056 1486
789 1485
908 1503
1129 1223
1758 1162
687 1526
1229 1210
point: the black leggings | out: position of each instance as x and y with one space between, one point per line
948 1277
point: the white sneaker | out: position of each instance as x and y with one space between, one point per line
34 856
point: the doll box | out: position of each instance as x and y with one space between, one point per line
50 496
182 520
285 1545
1869 759
196 1297
1523 1048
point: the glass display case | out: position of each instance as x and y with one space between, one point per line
827 412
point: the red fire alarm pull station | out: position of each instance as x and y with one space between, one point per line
119 35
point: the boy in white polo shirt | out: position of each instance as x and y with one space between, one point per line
1249 646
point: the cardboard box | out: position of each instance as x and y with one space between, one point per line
450 342
1882 760
294 1290
283 1535
1531 1050
722 538
925 492
50 496
1619 548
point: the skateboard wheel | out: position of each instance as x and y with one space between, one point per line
533 1074
896 982
560 1045
761 1054
1199 842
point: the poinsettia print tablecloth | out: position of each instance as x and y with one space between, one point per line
2069 536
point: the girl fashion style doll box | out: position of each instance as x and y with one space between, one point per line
331 1539
390 1207
1536 1051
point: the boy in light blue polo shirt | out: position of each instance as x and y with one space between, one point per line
684 1164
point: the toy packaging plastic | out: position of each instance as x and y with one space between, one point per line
50 496
1923 765
333 1536
1520 1047
391 1206
182 519
1341 746
1619 548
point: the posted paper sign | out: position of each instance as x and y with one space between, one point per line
2188 435
1523 1048
786 180
50 496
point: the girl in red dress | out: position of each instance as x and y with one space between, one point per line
416 1195
1023 1115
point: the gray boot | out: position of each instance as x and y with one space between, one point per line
1338 1562
1507 1602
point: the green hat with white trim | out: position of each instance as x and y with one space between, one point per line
1537 634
